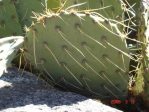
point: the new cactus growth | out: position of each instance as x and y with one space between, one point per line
84 51
9 23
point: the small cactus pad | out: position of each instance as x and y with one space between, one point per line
82 51
25 9
8 50
9 24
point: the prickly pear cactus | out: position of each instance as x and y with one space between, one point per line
25 9
9 23
8 50
81 51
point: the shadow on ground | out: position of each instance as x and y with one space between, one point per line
17 90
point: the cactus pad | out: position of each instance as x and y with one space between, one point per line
109 8
82 51
9 23
25 9
53 5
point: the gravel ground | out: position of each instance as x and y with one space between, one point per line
24 93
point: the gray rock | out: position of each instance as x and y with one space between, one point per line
23 92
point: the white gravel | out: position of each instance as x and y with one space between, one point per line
27 94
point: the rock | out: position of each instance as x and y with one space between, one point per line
8 49
23 92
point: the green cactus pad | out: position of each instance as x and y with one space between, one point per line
25 9
108 8
82 51
9 24
53 5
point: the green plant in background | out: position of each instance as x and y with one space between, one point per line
135 43
9 23
143 35
25 9
111 9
